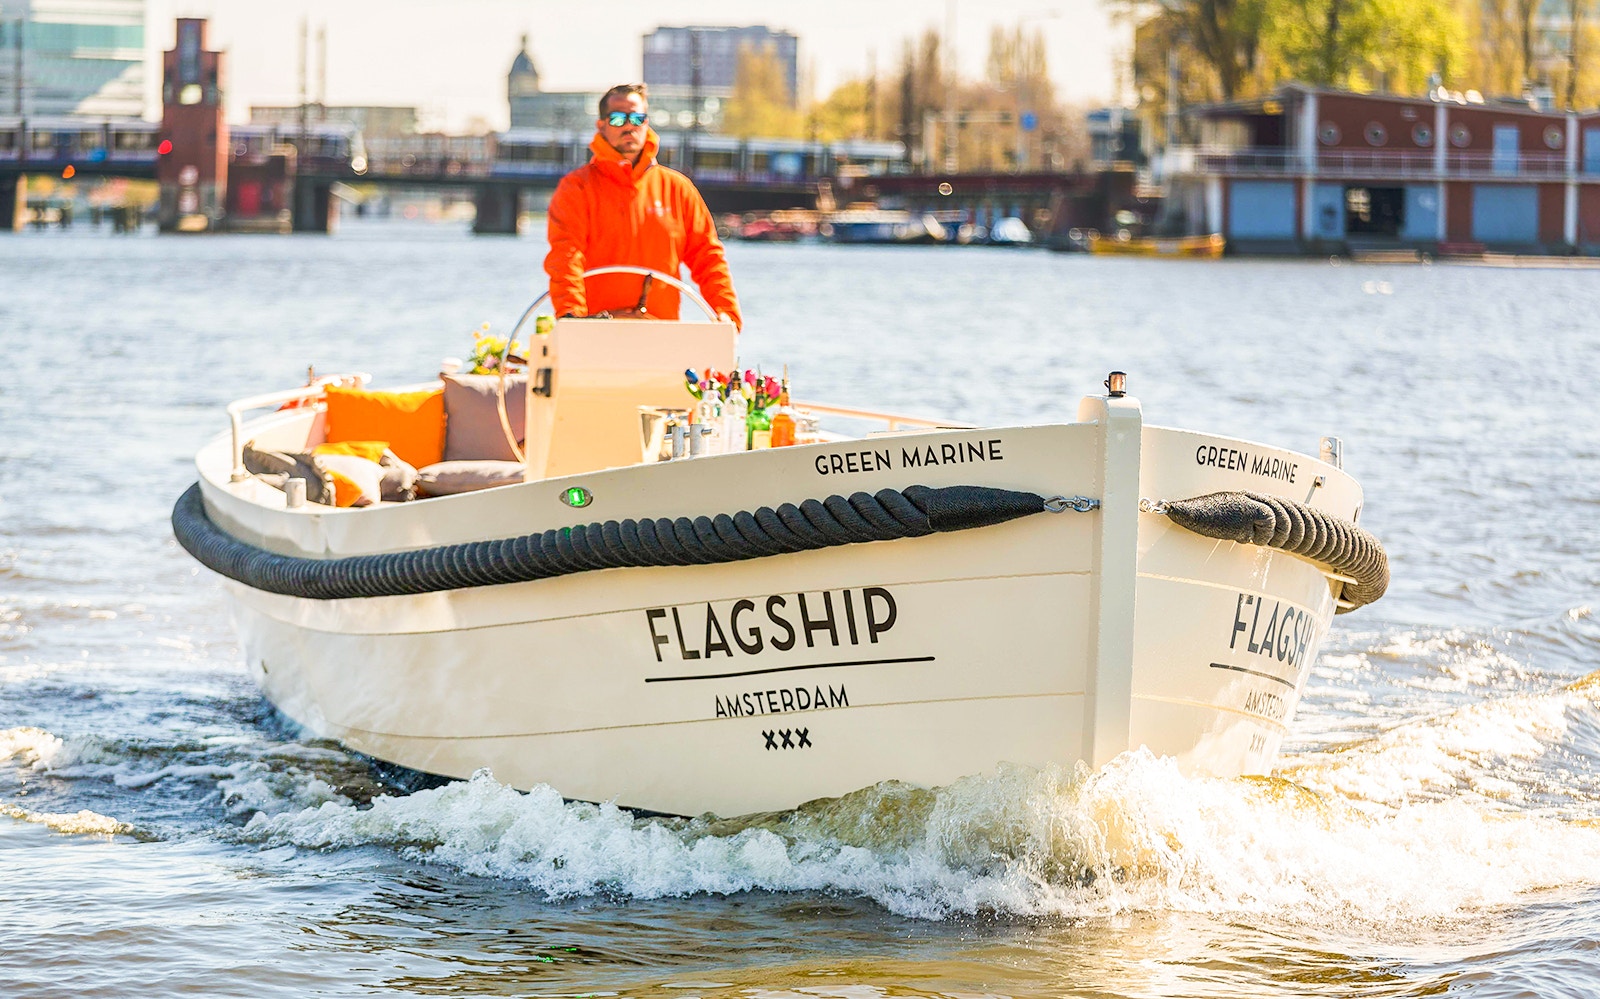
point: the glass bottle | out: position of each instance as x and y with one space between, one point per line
760 428
735 419
708 412
783 424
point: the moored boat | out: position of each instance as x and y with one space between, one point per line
746 631
1208 247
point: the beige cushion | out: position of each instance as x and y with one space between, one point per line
356 481
472 427
277 467
399 478
447 478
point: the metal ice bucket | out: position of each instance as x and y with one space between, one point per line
655 431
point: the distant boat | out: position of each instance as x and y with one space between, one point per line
1208 247
1010 231
864 223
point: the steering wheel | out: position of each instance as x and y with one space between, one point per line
668 279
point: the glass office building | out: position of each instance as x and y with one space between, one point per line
74 56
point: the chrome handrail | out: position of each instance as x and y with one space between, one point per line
895 420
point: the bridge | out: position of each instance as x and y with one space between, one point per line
273 169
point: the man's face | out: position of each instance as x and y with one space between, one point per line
625 139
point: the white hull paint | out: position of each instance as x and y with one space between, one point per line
1053 638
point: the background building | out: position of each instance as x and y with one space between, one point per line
194 172
369 120
691 70
77 57
531 107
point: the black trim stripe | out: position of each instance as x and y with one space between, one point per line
789 669
1264 676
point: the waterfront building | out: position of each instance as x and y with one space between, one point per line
1317 170
76 58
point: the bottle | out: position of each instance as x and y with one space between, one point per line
735 420
708 412
783 425
760 429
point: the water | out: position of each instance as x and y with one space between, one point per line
1434 826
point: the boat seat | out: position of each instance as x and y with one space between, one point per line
446 478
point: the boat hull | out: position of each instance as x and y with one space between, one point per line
758 685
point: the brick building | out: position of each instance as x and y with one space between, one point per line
1313 170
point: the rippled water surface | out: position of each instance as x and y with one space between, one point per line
1434 826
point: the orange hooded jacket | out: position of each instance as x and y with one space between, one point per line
615 212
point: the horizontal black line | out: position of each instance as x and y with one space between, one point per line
1264 676
789 669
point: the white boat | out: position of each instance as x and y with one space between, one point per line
1055 612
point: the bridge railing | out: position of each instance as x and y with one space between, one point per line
1421 163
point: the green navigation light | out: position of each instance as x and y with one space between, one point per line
577 496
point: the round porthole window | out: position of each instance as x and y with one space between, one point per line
1328 134
1459 136
1553 137
1377 135
1422 135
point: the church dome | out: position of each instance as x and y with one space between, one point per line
524 76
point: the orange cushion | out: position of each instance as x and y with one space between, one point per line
370 450
412 422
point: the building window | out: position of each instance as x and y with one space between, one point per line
1553 137
1460 136
1328 134
1377 135
1422 135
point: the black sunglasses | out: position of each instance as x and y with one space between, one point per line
617 119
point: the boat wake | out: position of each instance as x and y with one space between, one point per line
1436 817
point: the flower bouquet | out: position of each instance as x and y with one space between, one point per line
487 351
757 392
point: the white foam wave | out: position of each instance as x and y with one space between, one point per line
247 786
1135 836
79 823
36 749
1465 751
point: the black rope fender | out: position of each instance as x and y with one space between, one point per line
1274 522
886 515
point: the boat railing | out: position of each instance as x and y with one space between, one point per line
896 421
300 396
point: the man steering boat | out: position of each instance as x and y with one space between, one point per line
623 207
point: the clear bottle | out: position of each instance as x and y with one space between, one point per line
735 420
783 422
708 413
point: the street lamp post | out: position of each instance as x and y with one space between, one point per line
695 65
